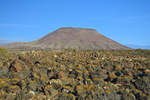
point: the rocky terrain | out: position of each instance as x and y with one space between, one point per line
64 38
75 75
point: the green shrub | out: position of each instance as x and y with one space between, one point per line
4 52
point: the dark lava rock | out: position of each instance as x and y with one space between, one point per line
143 84
39 76
110 96
126 96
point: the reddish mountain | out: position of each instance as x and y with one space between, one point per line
78 38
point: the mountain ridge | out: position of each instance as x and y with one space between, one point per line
69 37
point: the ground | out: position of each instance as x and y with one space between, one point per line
75 75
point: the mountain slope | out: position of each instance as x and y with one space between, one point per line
78 38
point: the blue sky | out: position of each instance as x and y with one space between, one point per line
125 21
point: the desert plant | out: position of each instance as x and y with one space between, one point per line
4 52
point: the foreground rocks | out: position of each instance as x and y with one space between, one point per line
75 75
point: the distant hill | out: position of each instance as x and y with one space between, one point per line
139 46
2 42
78 38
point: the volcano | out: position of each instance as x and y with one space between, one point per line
68 37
